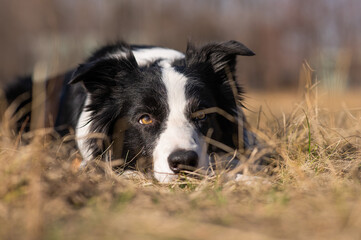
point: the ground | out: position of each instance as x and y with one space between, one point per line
313 193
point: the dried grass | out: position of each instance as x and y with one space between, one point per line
315 191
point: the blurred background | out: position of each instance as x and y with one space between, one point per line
283 33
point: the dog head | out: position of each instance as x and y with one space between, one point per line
162 109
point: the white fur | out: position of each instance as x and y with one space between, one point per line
82 131
148 55
179 132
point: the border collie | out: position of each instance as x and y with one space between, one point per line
155 108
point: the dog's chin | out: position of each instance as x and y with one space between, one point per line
165 177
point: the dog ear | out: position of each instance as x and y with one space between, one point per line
217 54
104 73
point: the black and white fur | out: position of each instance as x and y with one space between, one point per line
120 85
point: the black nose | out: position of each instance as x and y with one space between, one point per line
183 160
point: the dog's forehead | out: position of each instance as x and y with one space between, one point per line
160 76
198 85
187 86
174 82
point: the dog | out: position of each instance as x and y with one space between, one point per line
149 106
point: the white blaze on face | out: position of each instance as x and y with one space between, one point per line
179 133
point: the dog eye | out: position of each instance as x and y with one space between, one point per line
145 119
199 116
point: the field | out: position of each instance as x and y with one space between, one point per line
313 193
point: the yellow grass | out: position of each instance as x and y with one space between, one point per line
314 193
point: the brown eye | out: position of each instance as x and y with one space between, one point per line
145 119
199 116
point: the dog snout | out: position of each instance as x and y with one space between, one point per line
183 160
